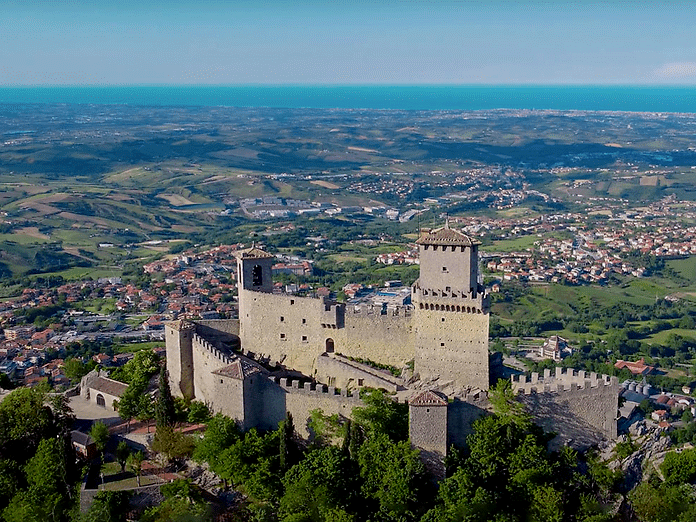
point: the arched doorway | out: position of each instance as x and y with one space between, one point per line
329 345
100 400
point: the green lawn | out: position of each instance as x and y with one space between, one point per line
518 244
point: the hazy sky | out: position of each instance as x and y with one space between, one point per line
347 42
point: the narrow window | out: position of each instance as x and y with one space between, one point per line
444 269
304 321
282 318
304 338
257 275
448 289
282 336
442 344
292 301
443 319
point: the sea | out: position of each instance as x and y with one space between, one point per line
674 99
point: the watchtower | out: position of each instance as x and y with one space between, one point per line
254 270
451 310
427 429
179 339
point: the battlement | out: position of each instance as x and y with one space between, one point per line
217 354
310 388
362 310
563 379
475 397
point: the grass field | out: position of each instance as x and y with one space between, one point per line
519 244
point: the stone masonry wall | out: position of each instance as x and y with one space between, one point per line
580 407
343 373
293 331
386 338
452 346
281 396
206 359
282 328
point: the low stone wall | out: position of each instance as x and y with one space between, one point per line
343 373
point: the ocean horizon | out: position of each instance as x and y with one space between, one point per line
674 99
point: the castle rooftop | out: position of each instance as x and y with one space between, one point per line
447 236
182 324
239 369
429 398
254 253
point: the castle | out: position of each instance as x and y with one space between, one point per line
293 354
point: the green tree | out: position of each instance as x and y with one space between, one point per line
49 492
172 444
381 414
198 412
182 503
220 434
75 369
108 506
165 412
122 453
663 503
100 435
393 476
323 482
135 463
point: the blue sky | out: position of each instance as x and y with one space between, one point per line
347 42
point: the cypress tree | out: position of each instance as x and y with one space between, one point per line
165 413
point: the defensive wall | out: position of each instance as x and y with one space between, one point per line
281 396
206 360
294 331
580 407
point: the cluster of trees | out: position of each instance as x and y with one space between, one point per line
366 469
38 466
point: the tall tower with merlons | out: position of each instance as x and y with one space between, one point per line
451 310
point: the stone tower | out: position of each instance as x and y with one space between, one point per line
254 270
427 429
254 276
451 311
179 339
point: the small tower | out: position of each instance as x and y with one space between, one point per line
451 310
179 343
427 429
254 270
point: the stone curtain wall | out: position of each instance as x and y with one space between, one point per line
387 339
294 331
282 396
206 359
282 328
580 407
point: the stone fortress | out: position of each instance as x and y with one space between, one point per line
292 354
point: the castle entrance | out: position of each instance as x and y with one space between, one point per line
329 345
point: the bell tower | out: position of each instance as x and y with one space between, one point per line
451 310
254 270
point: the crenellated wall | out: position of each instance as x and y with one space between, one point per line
206 359
294 331
580 407
280 396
